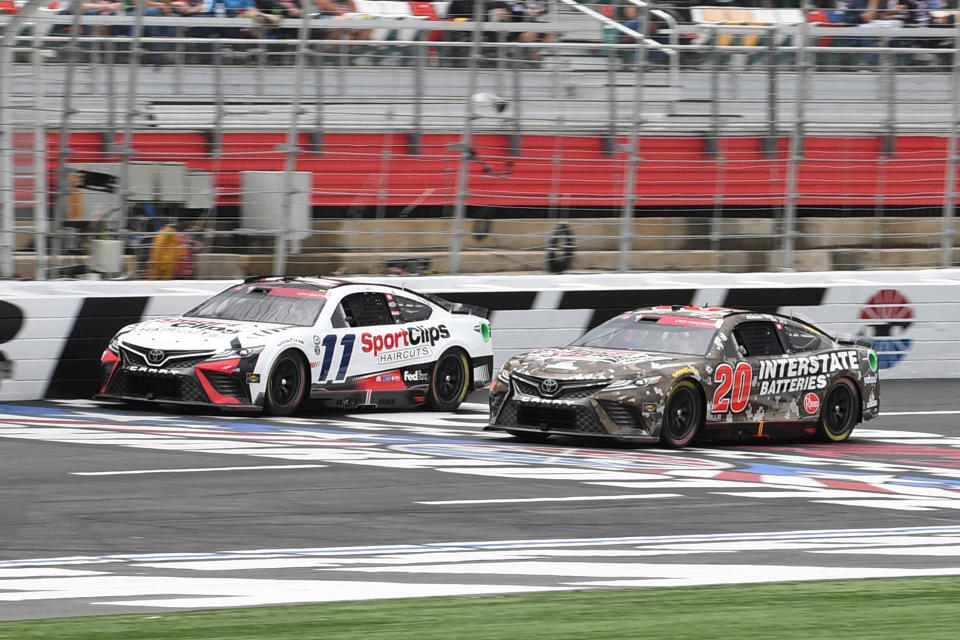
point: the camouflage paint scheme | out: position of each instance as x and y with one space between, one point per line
622 394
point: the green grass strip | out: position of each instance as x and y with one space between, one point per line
905 609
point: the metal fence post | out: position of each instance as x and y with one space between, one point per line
770 142
950 187
40 162
63 150
133 69
795 152
626 221
466 146
280 243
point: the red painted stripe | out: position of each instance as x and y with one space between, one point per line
853 485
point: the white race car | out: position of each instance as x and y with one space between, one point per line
272 342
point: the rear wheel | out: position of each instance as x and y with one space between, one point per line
682 414
450 381
838 415
285 385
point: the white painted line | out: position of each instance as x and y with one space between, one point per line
636 496
950 412
200 470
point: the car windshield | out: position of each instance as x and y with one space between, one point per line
664 334
281 303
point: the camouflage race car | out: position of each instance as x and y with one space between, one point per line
667 374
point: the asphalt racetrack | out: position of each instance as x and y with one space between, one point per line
107 509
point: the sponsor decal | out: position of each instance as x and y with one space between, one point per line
270 331
684 371
811 403
870 378
389 381
803 373
140 368
404 354
416 376
202 326
405 344
888 316
287 292
681 321
616 357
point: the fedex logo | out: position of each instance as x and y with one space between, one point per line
412 337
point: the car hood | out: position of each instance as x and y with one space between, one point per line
201 334
580 363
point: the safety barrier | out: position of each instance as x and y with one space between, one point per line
52 333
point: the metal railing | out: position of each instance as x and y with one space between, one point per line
748 148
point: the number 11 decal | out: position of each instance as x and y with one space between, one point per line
329 345
738 381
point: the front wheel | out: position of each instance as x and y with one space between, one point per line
682 414
285 385
838 415
450 382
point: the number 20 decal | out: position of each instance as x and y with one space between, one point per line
329 345
738 381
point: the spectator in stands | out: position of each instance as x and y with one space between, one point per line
98 8
155 8
628 14
530 12
496 11
327 9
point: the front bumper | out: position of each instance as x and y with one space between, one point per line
220 383
516 408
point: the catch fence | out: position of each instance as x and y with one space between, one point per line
432 146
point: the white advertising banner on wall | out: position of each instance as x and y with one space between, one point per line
52 333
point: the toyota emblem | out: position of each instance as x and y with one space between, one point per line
549 387
155 356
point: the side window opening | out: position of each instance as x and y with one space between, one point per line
409 310
366 310
800 338
758 339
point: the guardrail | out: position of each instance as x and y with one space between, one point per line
53 333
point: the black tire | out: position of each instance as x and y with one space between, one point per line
529 436
839 412
682 415
450 382
286 384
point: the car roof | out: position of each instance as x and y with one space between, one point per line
313 282
320 282
688 311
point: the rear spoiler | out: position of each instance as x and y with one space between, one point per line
457 307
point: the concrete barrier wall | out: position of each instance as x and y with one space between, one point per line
52 333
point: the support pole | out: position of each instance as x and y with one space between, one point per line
949 234
466 145
129 113
795 151
630 186
63 150
292 150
